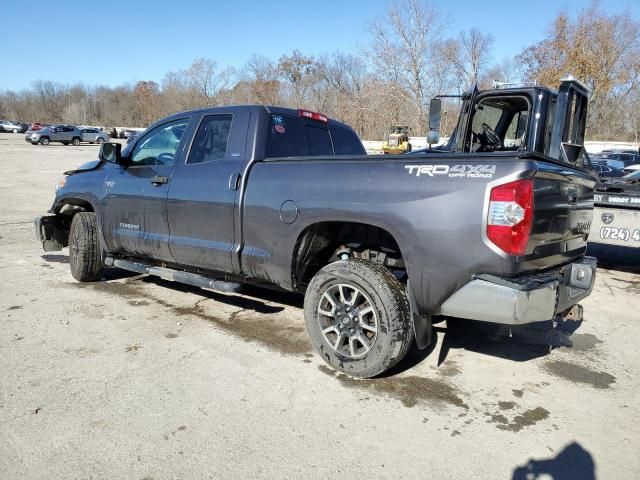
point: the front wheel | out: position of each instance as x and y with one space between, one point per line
44 141
100 140
15 130
75 141
358 317
85 254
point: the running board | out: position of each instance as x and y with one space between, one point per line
172 275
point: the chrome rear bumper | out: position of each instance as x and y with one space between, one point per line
525 299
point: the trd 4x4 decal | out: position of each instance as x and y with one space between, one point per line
462 171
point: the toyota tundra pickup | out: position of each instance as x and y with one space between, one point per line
492 227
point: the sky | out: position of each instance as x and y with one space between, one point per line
111 43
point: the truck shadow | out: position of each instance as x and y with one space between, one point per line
572 463
252 298
519 344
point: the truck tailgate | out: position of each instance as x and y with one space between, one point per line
563 211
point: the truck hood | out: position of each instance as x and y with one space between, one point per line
92 165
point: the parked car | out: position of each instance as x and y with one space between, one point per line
64 134
604 170
377 244
37 126
629 161
9 126
93 135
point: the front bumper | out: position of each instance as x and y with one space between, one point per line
521 300
51 233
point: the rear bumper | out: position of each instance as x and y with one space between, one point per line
523 300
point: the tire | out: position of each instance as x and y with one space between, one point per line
100 140
75 141
85 254
388 330
15 130
44 141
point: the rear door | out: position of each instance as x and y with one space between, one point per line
203 192
88 135
134 214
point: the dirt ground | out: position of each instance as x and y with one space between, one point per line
138 378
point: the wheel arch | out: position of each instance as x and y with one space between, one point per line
319 242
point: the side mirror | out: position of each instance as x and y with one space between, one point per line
433 137
435 109
111 152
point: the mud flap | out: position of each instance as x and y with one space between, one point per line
422 326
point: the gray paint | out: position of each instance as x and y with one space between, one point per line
197 221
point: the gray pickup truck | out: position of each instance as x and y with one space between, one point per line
493 227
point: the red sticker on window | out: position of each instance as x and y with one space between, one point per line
279 128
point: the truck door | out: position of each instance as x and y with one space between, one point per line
203 192
134 219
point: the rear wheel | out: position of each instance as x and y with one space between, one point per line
85 255
75 141
358 317
100 140
44 141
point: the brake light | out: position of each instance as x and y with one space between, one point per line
510 216
313 116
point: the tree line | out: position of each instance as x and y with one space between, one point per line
408 59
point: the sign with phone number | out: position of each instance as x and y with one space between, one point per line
616 226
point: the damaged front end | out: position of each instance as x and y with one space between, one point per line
52 231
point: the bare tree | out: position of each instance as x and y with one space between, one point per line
471 55
298 71
601 49
404 46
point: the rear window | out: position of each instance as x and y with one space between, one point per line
296 137
345 141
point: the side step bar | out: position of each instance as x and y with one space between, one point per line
170 274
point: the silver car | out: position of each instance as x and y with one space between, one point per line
64 134
93 135
8 126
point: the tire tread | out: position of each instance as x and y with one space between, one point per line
86 263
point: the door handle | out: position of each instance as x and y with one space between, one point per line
159 180
234 181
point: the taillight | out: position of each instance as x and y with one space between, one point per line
313 116
510 216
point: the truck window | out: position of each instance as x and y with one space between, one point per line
296 137
499 124
210 142
345 141
159 146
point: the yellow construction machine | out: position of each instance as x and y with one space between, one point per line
397 141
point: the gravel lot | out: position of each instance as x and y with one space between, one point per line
139 378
